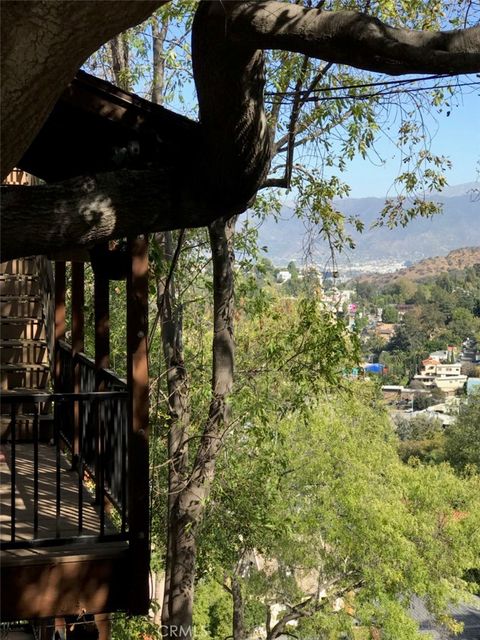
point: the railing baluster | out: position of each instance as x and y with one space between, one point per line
13 470
57 479
36 436
81 439
101 479
124 444
96 451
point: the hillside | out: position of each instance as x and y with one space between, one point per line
455 260
457 226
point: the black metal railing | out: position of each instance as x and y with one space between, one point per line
69 483
90 376
85 421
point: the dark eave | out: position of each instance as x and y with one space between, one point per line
97 127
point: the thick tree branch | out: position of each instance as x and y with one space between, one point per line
85 211
352 38
225 169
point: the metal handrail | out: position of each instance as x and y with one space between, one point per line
7 397
106 374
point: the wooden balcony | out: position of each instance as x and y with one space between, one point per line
65 537
74 496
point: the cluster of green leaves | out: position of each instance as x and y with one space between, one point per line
321 505
462 445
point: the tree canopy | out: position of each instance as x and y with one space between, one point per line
222 167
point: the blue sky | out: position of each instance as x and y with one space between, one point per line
456 136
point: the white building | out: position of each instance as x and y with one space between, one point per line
283 276
445 376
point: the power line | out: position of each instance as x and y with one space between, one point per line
376 94
363 85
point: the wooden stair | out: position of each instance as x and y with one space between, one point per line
24 350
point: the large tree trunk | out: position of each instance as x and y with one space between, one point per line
170 313
81 212
190 502
238 617
43 44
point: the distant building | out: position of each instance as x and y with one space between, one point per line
402 309
445 376
336 299
283 276
385 330
394 393
469 351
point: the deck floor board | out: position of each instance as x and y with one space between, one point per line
24 503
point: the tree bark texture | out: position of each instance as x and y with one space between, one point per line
43 44
119 52
238 618
191 500
84 211
221 173
159 33
351 38
178 405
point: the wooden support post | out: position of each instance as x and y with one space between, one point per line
138 472
60 629
59 321
78 343
78 304
103 623
102 320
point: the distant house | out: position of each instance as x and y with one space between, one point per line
283 276
402 309
385 330
446 355
445 376
470 351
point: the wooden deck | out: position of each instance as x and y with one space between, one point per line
48 527
66 579
46 581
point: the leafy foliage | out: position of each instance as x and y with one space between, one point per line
463 437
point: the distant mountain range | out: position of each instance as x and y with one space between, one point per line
458 226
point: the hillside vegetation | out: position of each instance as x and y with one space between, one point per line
456 260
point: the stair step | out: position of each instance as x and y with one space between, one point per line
33 352
42 417
24 391
14 377
26 342
20 319
26 328
21 266
21 296
21 307
22 366
19 285
24 431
